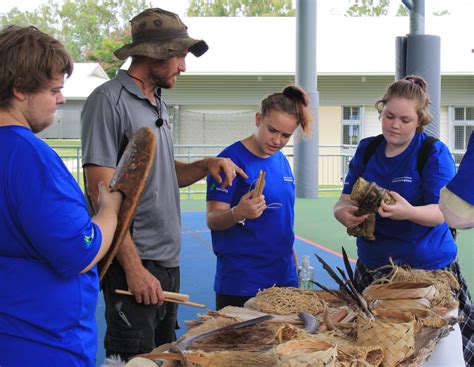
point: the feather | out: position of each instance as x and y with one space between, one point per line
342 285
334 293
348 266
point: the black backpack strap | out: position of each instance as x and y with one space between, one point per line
372 147
425 151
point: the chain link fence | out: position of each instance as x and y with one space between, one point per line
332 166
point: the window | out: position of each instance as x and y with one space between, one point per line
463 126
351 125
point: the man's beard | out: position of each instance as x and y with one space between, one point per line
160 82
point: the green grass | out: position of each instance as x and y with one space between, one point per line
193 205
75 142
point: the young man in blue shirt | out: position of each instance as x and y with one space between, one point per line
49 245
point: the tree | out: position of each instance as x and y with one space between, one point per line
90 29
44 18
103 53
367 8
371 8
89 25
245 8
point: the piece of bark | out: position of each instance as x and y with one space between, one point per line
130 177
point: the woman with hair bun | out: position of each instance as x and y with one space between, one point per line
252 235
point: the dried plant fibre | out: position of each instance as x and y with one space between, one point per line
285 301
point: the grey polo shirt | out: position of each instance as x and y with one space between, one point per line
111 115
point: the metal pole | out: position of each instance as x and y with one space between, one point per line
400 57
421 54
306 150
417 15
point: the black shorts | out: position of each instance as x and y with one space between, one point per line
365 276
134 328
223 300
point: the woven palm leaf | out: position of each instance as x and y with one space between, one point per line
394 332
223 359
350 354
402 290
309 352
401 304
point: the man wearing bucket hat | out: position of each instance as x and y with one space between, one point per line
161 35
148 261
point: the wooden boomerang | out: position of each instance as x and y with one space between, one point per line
130 177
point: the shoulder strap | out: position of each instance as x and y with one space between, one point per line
372 147
425 151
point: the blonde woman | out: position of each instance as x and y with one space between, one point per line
412 231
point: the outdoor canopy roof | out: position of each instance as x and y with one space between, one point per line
345 45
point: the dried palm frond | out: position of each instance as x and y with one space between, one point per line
400 290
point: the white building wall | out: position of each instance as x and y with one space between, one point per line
371 125
444 125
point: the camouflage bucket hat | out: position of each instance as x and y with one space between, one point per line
160 34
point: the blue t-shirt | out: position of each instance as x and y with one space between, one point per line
404 241
258 254
47 309
462 184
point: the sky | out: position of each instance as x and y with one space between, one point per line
336 7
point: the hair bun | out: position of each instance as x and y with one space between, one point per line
296 94
416 80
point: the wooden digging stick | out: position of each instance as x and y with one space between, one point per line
179 298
